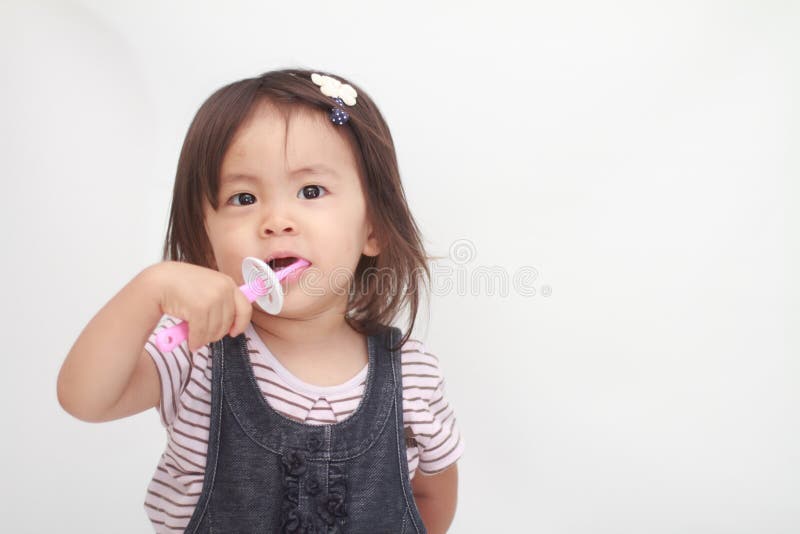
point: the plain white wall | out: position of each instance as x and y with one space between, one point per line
642 157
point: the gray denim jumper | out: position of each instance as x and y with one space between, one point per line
269 474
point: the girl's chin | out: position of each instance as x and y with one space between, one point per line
300 306
291 308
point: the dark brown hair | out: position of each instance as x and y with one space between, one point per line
402 261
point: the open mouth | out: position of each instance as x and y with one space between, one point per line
280 263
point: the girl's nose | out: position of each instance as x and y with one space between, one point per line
272 229
277 224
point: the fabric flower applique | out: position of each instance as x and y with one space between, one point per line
294 463
330 507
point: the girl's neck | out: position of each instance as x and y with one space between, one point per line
323 350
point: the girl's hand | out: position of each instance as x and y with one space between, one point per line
209 301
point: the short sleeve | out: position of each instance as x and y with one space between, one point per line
174 368
433 423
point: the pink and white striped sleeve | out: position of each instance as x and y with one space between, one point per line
441 444
173 367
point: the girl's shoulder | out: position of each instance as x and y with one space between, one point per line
421 369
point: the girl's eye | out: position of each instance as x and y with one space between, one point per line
310 191
239 196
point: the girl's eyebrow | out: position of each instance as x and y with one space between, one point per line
234 178
317 168
309 169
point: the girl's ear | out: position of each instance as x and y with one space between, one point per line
371 246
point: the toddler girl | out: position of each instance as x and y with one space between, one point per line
324 417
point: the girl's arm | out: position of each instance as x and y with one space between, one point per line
436 497
108 374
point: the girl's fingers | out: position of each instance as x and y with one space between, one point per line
228 306
243 312
215 320
222 309
201 335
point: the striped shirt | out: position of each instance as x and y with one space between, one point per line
186 405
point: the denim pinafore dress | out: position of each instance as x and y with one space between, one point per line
269 474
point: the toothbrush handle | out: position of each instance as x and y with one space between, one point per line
171 337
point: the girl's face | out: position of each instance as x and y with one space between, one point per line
292 184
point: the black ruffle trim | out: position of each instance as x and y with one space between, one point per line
330 509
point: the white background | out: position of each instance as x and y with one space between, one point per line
641 156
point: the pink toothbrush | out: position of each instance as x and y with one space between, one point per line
261 285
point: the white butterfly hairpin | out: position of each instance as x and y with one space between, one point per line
342 93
